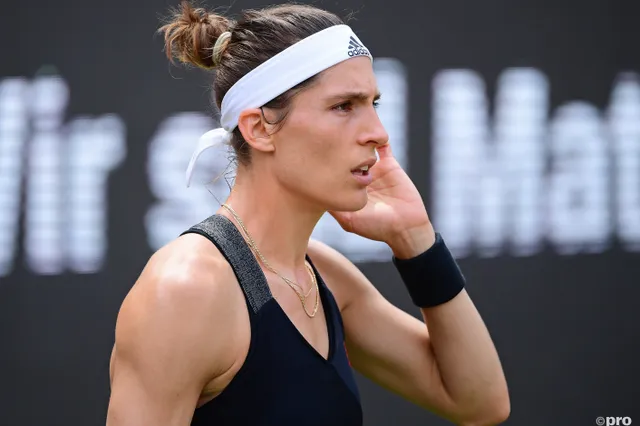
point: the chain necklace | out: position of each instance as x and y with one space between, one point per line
254 247
294 286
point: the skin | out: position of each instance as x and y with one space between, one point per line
183 330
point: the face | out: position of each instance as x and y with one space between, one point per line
332 130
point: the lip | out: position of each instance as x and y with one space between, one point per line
370 162
364 180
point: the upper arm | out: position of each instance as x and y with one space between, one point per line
169 342
384 343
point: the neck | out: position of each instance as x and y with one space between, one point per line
279 223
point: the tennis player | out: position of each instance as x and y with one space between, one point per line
244 320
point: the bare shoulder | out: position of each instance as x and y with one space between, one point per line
189 274
182 307
344 279
188 269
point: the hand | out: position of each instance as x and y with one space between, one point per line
395 213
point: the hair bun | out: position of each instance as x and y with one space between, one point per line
192 35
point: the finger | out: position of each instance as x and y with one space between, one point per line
385 151
339 216
343 218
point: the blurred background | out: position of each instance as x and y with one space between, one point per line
519 121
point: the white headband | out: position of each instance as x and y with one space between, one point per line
272 78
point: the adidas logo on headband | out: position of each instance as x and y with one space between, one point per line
356 49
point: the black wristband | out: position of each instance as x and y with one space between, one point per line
433 277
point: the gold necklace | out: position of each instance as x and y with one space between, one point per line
294 286
289 282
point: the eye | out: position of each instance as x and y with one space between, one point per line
376 104
344 107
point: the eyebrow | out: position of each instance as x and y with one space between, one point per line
356 96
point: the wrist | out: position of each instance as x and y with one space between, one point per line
432 277
411 243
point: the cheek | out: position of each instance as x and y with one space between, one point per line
312 145
316 162
314 167
316 148
327 156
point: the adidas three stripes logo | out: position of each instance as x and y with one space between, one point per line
356 49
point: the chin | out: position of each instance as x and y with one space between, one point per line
349 202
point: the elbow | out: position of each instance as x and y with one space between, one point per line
494 411
498 414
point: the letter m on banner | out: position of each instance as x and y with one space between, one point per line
487 180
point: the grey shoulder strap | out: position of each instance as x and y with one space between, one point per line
227 238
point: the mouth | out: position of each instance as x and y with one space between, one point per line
362 171
363 168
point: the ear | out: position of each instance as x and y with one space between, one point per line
255 130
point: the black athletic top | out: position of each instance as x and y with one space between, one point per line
284 380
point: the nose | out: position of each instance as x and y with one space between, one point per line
373 132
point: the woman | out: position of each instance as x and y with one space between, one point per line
243 320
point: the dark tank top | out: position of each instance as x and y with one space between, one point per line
284 381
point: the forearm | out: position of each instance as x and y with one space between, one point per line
466 358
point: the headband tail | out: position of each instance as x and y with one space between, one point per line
212 138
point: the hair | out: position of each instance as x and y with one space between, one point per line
257 36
